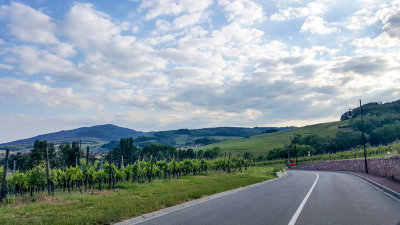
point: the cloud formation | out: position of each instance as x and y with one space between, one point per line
154 65
35 26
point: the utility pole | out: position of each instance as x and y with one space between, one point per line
295 150
363 139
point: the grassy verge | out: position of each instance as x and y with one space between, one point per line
128 200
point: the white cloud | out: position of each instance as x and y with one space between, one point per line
33 61
244 12
361 19
317 25
390 18
184 21
129 97
384 40
187 20
157 8
86 26
204 64
64 50
107 52
312 9
389 15
5 66
12 89
28 24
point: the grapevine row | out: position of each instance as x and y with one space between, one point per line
98 175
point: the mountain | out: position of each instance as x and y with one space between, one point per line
105 137
88 135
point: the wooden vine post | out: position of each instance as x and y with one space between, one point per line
87 167
3 193
151 168
87 155
229 163
47 169
110 171
225 162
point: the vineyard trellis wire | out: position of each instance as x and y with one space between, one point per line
95 176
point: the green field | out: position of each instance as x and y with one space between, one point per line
128 200
261 144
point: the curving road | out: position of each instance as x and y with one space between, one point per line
303 197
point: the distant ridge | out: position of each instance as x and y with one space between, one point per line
98 136
98 133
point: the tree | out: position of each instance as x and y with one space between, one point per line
70 154
190 154
38 153
212 153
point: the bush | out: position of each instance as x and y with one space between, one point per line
385 134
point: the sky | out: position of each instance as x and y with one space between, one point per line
169 64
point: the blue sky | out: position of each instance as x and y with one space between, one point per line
169 64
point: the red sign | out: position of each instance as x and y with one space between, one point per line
292 164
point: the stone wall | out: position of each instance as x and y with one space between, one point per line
387 167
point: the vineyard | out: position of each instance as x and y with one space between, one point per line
98 175
351 154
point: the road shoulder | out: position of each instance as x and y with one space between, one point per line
385 184
161 212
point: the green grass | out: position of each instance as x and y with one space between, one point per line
261 144
128 200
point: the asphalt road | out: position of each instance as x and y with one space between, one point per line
303 197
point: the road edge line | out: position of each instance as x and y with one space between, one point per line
161 212
300 208
387 190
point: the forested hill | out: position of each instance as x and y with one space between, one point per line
203 136
94 134
101 135
381 126
222 131
374 109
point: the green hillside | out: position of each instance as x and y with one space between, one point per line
381 126
261 144
190 137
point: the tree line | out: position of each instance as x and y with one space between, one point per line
380 130
300 146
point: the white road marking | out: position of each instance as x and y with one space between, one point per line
377 188
298 211
161 212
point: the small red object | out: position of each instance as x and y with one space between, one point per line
292 164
